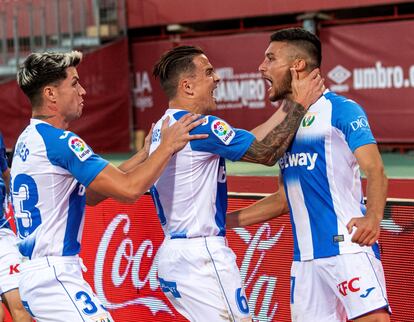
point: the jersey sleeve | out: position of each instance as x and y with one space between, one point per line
223 140
3 155
69 151
352 121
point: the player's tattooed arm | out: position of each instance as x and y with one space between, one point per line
275 143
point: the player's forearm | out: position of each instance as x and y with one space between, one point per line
275 143
267 208
128 187
133 161
93 198
263 129
145 174
376 191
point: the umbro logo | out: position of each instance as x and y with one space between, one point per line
339 74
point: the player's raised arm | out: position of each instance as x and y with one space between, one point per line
128 186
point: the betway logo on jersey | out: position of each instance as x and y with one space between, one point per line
298 160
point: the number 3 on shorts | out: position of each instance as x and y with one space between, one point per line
90 307
242 301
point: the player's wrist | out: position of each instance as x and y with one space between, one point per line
166 148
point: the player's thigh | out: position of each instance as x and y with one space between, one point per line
230 282
59 293
358 281
201 286
12 300
9 261
311 299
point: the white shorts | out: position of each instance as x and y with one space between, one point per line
10 260
330 289
52 288
201 279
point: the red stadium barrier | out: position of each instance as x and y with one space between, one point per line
120 243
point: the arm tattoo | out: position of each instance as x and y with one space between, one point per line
274 144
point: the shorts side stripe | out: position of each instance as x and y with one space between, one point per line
221 285
54 270
380 285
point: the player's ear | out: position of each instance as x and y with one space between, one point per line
49 94
187 86
299 64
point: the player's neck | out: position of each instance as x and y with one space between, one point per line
53 120
182 105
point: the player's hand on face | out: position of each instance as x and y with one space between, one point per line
367 230
177 135
307 91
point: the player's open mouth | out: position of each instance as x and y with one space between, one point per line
269 83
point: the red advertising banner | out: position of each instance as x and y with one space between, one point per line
357 63
241 93
105 123
143 13
120 244
373 64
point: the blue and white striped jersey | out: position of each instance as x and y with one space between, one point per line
322 179
50 170
3 167
191 194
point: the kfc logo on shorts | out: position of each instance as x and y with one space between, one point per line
352 285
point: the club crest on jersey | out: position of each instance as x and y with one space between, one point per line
79 147
308 120
223 131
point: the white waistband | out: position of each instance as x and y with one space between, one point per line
48 261
196 241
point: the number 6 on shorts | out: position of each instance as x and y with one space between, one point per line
242 301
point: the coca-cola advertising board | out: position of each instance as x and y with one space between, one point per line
120 244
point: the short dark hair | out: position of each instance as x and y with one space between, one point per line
41 69
303 39
172 64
